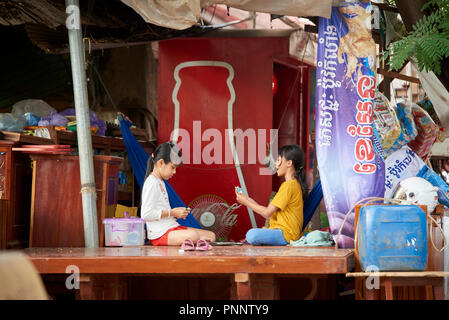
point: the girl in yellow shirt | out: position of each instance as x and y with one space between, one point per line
285 211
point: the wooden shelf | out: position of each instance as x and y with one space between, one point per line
108 144
25 139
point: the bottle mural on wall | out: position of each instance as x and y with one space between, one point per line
203 98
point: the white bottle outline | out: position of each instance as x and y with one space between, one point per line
206 63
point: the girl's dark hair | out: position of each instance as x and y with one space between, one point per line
294 153
167 151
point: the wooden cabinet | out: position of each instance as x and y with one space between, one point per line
56 205
15 190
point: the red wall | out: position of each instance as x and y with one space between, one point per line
204 95
291 109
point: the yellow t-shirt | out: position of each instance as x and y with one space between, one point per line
289 217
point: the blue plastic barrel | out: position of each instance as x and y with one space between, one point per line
392 238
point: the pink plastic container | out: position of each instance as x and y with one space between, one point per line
122 232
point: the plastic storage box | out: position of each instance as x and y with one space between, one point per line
392 238
124 231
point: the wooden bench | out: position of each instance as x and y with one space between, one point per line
432 280
253 269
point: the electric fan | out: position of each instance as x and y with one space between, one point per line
214 214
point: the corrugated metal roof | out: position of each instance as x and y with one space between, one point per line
50 13
101 13
108 23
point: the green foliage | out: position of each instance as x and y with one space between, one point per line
441 4
428 42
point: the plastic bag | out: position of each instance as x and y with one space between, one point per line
437 181
94 120
12 122
408 127
55 119
428 132
405 116
385 121
32 120
405 163
401 164
37 107
427 105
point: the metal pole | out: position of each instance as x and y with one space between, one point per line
86 164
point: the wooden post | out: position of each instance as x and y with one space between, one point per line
243 286
388 289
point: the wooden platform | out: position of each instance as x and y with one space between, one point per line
253 269
432 280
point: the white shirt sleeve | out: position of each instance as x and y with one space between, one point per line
151 201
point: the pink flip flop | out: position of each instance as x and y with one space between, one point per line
202 245
188 245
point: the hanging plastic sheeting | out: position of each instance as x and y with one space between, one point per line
346 143
303 47
139 158
181 14
438 94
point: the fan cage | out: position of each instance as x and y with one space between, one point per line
219 207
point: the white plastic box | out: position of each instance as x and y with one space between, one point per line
122 232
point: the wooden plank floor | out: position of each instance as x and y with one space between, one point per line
169 260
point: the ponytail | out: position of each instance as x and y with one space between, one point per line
150 166
296 155
166 151
300 176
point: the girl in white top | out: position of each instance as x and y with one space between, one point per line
162 227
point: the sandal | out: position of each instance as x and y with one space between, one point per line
202 245
187 245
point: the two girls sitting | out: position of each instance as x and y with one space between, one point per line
285 211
